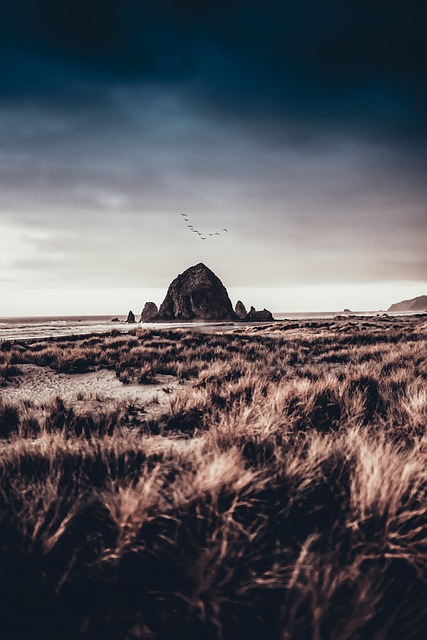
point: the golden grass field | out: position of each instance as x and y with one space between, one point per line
268 482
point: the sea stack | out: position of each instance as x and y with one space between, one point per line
149 312
240 309
131 318
196 294
259 316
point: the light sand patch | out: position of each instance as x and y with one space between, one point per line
94 390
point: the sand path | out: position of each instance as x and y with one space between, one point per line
40 385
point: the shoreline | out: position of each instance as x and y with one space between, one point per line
80 327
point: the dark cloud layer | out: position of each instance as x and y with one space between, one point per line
343 59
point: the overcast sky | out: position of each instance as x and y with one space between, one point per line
301 127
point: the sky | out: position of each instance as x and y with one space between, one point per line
300 127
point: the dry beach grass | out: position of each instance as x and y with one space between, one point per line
267 482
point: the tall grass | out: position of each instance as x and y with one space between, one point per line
281 495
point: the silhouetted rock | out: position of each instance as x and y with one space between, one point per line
256 316
115 320
414 304
149 311
347 311
240 309
196 294
131 318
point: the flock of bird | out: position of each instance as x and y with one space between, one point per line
200 234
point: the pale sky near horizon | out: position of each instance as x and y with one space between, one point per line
299 127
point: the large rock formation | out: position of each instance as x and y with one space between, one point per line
259 316
240 309
415 304
196 294
149 312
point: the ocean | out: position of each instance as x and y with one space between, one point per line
27 328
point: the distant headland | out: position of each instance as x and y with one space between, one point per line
414 304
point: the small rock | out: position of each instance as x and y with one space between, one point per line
240 309
131 318
259 316
149 311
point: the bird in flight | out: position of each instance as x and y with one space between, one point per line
202 237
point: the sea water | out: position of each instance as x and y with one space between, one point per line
29 328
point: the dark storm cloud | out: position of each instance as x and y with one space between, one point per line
358 60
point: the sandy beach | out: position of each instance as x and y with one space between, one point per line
94 391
